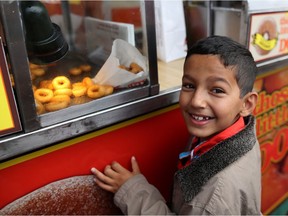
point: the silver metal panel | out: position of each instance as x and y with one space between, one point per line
14 146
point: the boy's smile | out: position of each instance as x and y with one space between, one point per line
210 96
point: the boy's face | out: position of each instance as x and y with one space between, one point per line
210 96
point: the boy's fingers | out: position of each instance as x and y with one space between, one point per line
104 186
108 171
135 166
118 168
101 177
93 170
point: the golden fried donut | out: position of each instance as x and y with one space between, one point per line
56 105
135 68
78 85
75 71
46 84
95 91
61 82
108 89
123 67
43 95
34 88
64 91
87 81
38 71
33 66
79 89
39 107
58 98
85 67
80 100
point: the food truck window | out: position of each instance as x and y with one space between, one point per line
108 60
90 28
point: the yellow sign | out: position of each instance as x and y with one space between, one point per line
9 118
5 113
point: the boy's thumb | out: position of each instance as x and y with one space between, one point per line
135 166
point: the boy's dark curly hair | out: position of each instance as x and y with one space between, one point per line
232 54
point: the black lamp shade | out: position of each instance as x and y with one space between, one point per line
44 40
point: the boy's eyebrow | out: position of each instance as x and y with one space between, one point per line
211 79
219 79
187 76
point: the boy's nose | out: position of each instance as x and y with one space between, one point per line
198 100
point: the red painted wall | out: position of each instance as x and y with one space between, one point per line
155 141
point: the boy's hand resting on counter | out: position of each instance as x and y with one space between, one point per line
114 175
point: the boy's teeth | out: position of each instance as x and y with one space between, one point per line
200 118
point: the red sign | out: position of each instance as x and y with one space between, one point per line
272 131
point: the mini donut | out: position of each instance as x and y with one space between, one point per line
135 68
87 81
33 66
78 85
79 90
75 71
56 105
43 95
64 91
46 84
39 107
79 100
38 71
85 67
123 67
61 82
58 98
108 89
95 91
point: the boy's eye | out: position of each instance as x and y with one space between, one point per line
187 86
218 91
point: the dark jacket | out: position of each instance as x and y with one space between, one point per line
224 180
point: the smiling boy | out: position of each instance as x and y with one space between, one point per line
220 171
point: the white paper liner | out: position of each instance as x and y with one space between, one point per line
122 53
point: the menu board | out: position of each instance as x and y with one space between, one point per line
100 35
268 36
9 117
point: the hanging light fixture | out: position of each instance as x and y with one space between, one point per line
44 40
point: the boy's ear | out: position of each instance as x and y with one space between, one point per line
249 104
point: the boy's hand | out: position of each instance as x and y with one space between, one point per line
114 175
